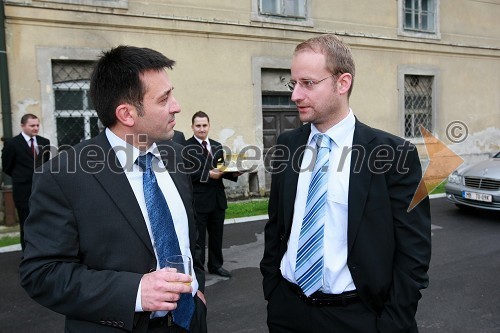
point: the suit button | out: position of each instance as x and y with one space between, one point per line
282 237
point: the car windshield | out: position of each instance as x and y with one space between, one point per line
497 155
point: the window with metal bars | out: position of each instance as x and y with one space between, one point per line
76 119
417 104
97 3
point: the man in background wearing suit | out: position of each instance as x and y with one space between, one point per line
21 155
343 252
94 238
209 196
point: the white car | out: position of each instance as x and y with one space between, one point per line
476 185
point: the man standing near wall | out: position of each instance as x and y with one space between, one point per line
107 213
209 197
343 251
21 155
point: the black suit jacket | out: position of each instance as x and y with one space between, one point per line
179 137
87 244
18 162
208 193
388 248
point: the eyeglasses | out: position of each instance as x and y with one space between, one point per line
307 84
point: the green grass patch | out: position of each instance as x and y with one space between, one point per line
440 188
246 208
259 206
9 240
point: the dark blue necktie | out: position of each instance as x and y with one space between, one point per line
164 235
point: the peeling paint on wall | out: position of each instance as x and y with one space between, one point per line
22 109
478 146
235 145
23 105
224 136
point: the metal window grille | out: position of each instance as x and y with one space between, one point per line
419 15
76 119
418 104
284 8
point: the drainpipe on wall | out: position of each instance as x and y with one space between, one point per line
9 211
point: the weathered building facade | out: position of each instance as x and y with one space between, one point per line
434 63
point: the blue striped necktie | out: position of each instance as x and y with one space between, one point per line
309 264
164 235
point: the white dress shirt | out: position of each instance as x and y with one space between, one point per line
127 154
209 147
336 276
28 142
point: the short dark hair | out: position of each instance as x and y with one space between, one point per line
24 119
116 79
199 114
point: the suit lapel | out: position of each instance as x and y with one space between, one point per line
217 153
359 178
115 183
358 182
201 156
297 146
169 157
26 148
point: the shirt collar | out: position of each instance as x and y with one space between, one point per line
127 153
200 140
27 137
339 132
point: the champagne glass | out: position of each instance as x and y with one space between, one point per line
181 263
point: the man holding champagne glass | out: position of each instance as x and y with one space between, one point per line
106 213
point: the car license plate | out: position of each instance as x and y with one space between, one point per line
477 196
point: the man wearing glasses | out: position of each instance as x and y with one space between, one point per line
343 252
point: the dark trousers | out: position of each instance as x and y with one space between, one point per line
21 192
22 213
287 313
213 224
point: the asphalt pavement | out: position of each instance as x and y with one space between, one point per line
463 295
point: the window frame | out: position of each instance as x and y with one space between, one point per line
85 113
435 34
44 56
279 19
123 4
404 70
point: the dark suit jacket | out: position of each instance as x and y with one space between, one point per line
18 162
208 193
87 244
179 137
388 248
